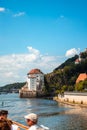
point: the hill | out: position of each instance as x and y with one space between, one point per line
64 77
12 87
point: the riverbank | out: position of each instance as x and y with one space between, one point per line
70 103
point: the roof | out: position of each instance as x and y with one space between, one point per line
77 60
81 77
35 71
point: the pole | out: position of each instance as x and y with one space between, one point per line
20 125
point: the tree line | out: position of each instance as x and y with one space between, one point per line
63 78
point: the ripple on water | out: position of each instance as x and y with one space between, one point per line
52 114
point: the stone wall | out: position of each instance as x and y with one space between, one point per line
27 94
30 94
80 98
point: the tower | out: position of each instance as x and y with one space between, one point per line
35 80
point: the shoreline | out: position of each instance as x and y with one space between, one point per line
70 103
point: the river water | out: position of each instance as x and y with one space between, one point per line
55 115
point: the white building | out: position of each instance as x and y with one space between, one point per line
35 80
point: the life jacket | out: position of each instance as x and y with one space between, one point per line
5 124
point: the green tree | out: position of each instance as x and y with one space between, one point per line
79 86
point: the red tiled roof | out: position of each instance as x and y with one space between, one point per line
77 60
81 77
35 71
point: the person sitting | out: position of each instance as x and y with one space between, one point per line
5 122
3 114
32 120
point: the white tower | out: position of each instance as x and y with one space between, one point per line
35 80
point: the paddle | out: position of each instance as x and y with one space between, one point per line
20 125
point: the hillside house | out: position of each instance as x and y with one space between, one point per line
81 77
77 61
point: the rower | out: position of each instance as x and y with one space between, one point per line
5 122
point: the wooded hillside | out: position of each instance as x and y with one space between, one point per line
62 78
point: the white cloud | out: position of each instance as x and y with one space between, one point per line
6 10
32 50
19 14
14 68
72 52
2 9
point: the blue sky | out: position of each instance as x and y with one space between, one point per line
39 34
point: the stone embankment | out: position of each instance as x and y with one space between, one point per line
74 99
30 94
27 94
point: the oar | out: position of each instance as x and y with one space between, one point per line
20 125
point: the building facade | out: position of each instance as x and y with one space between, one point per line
34 85
35 80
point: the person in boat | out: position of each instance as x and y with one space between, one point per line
32 120
5 122
3 114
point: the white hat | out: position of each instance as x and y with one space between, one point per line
33 117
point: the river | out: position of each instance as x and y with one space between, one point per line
52 114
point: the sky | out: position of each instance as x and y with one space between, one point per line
39 34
